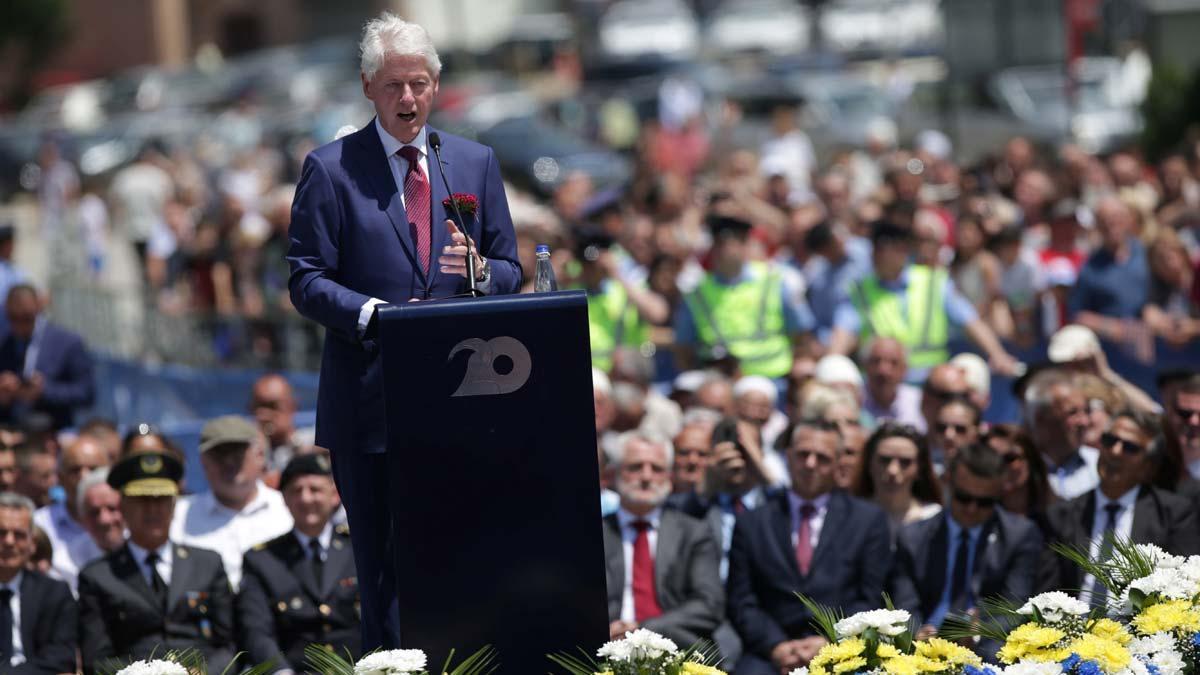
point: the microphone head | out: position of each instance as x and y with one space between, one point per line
435 141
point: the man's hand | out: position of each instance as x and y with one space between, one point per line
788 655
617 629
809 647
10 386
1003 363
927 631
454 257
32 390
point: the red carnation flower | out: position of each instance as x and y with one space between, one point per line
467 204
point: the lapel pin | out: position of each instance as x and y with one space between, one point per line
182 553
282 606
297 603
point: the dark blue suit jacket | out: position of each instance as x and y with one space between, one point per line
849 567
66 368
350 242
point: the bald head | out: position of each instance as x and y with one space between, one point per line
946 382
886 365
79 459
274 406
1116 221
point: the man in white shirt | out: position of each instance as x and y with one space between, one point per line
61 520
239 511
99 508
1056 416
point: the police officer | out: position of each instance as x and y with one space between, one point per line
741 309
300 588
621 311
153 595
914 304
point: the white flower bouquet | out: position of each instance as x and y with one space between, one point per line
640 652
397 662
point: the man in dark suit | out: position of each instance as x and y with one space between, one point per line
38 615
975 551
43 368
1124 505
661 565
152 595
814 540
300 588
369 227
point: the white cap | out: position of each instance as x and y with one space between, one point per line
976 372
837 369
883 131
1072 343
935 143
689 380
756 383
600 382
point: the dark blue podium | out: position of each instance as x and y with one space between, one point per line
492 445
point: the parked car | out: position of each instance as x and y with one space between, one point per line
635 27
775 26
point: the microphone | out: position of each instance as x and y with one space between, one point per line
435 144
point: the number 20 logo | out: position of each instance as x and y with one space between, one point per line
481 378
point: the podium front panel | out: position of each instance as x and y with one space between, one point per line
492 445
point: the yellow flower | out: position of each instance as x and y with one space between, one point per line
1110 654
1111 630
850 665
1031 641
1174 615
886 651
939 649
693 668
905 664
837 652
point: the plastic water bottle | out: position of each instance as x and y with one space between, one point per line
543 279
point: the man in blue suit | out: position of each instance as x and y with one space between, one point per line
43 368
814 540
369 227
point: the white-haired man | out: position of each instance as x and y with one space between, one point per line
369 227
661 564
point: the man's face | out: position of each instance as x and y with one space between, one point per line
148 519
886 366
42 475
716 395
944 384
402 91
1066 420
1124 461
955 428
812 461
730 250
273 407
22 310
233 467
1187 419
693 454
754 407
890 257
8 470
83 457
312 501
1116 224
16 539
101 516
644 480
973 498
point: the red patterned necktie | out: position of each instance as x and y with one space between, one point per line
645 600
804 549
416 203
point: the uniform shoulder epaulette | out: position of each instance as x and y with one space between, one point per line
342 529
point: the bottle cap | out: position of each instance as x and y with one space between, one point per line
542 248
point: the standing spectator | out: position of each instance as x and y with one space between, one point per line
153 594
274 408
1056 419
10 274
61 521
239 511
976 271
841 558
1114 283
887 396
790 149
897 474
57 187
37 474
139 193
642 542
837 260
1173 310
43 368
38 609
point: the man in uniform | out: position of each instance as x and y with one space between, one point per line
300 588
153 595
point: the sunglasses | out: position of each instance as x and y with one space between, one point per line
967 499
1010 457
959 429
944 393
1186 414
1111 440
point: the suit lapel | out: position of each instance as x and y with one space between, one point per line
781 526
29 613
388 196
182 570
614 563
298 562
835 514
934 559
986 554
669 538
129 571
337 560
1147 525
438 213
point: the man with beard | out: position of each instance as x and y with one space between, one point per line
661 565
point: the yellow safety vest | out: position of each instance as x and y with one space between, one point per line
918 320
745 320
613 323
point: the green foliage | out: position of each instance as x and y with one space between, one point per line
825 618
1125 565
1171 110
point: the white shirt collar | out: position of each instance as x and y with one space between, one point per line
626 519
139 553
392 145
820 503
260 501
14 584
326 538
1127 500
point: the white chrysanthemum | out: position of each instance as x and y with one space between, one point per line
1136 667
1168 583
1152 644
638 645
153 668
1190 570
888 622
800 671
1168 662
1054 606
1158 557
616 650
1033 668
391 662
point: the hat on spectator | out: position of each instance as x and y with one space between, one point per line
935 143
601 203
756 383
885 232
727 226
146 474
837 369
227 429
975 369
1072 343
311 464
689 381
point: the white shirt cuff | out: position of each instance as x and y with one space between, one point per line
364 315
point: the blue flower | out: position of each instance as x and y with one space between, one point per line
1196 640
972 670
1070 662
1089 668
1152 669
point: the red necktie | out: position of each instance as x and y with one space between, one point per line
416 203
645 600
804 549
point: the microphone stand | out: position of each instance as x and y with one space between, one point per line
435 144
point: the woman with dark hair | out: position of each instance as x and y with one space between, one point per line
1027 489
898 475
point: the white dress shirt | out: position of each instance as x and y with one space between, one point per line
202 521
815 524
166 557
1122 531
326 539
628 537
14 585
66 536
